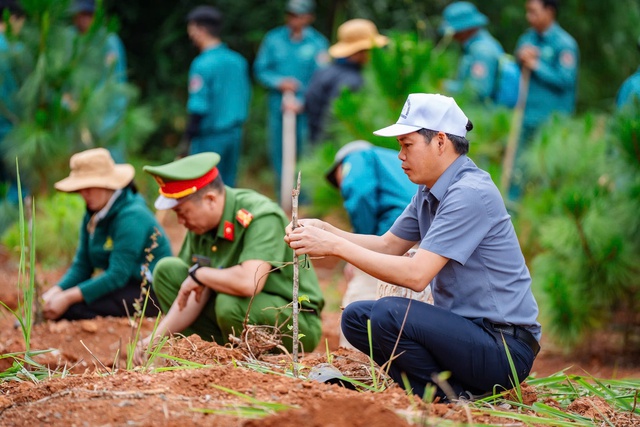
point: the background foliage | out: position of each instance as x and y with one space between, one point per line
578 223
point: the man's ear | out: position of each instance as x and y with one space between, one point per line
442 138
210 198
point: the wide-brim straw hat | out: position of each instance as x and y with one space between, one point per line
95 168
356 35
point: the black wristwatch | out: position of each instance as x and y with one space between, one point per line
192 273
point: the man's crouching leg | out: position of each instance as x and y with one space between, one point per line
268 310
168 276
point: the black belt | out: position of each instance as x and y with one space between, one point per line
520 334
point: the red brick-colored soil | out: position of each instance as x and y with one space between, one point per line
90 385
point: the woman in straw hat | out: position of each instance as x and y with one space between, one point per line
120 242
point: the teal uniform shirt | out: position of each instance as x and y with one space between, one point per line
115 69
8 87
478 66
375 190
220 91
251 228
280 57
630 89
114 254
552 86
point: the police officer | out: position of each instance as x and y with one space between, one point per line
239 232
351 53
468 250
219 93
374 191
630 89
286 60
481 52
551 56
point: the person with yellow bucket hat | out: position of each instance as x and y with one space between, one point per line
356 38
120 243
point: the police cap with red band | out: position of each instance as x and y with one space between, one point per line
183 177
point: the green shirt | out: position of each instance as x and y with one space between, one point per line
115 253
252 228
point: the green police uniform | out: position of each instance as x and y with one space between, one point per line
251 228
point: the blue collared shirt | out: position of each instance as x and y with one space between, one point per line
463 218
281 57
552 86
479 65
219 88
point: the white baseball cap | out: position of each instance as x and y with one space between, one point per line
428 111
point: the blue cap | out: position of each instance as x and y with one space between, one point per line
83 6
461 16
301 7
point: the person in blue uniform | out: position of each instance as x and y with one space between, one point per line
551 56
287 58
351 53
468 251
115 69
481 52
630 89
219 93
374 191
8 90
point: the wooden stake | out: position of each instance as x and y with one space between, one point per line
514 132
296 277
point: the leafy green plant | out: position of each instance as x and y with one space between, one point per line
65 93
26 299
584 264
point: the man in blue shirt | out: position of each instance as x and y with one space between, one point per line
8 90
468 250
219 93
478 67
630 89
286 60
374 192
351 53
551 56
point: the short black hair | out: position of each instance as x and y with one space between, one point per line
553 4
217 185
207 17
460 143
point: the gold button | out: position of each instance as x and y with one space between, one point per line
214 248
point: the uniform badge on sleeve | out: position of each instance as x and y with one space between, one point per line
244 217
567 59
478 70
195 83
228 231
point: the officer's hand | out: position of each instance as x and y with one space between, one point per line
311 222
528 56
288 84
312 241
187 287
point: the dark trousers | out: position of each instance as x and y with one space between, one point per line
113 304
434 340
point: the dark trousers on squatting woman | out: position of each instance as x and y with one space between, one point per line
434 340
